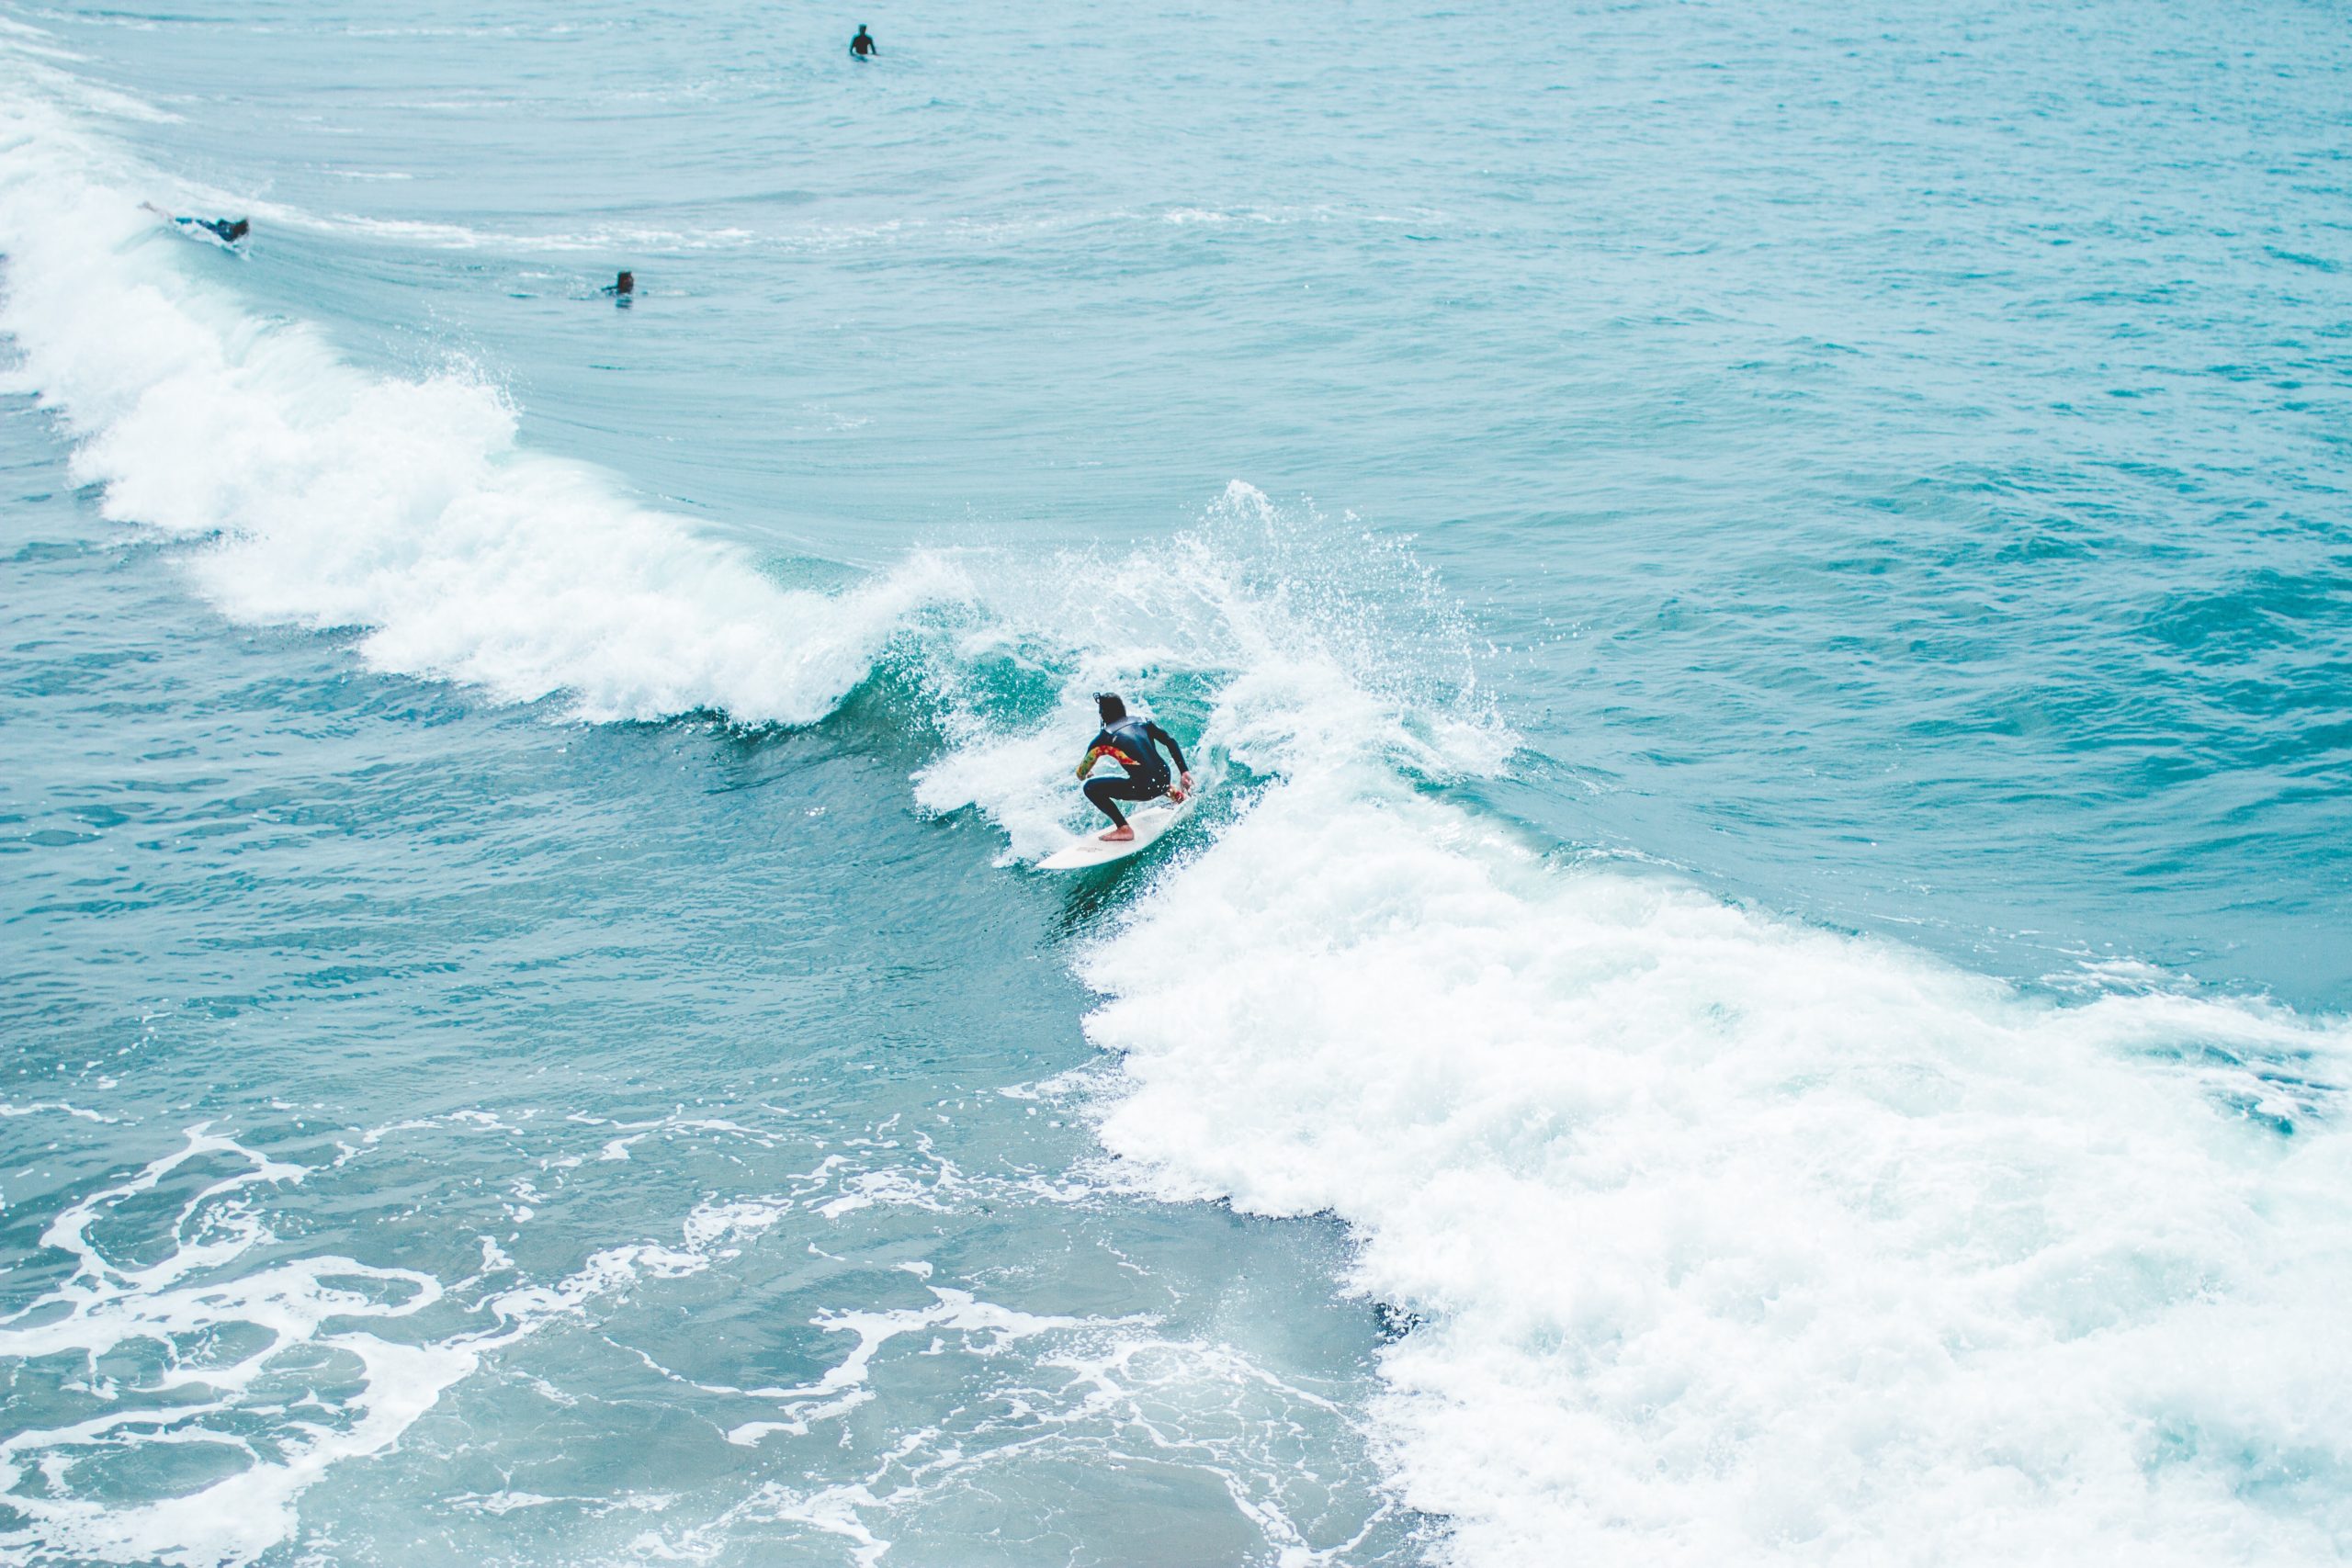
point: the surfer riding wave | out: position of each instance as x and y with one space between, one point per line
1132 744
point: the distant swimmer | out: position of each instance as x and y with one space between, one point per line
622 287
1131 743
861 46
227 230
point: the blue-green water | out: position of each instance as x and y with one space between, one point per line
1767 590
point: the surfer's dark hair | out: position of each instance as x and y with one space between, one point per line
1108 704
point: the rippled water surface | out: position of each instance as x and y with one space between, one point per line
1764 591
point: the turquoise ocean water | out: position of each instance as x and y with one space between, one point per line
1767 590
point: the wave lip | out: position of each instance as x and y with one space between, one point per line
331 499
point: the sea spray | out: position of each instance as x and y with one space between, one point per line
1733 1240
1728 1238
401 509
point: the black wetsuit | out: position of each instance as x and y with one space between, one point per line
1130 744
229 233
862 46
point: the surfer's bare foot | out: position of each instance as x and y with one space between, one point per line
1120 835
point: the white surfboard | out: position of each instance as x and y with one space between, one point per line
1149 823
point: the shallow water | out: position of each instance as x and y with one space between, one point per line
1764 594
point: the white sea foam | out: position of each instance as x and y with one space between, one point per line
402 508
1255 609
1734 1241
227 1342
843 1387
600 240
202 1349
57 1106
1104 1389
1741 1242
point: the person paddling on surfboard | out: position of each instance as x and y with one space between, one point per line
1131 743
228 231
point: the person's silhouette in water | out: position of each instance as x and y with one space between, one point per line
861 46
228 231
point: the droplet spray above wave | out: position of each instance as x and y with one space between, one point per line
1267 636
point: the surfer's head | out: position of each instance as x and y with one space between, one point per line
625 284
1108 704
239 230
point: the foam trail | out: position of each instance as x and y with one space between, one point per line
1742 1242
181 1308
194 1350
1734 1241
1731 1240
401 507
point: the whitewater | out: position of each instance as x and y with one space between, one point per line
1668 1213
